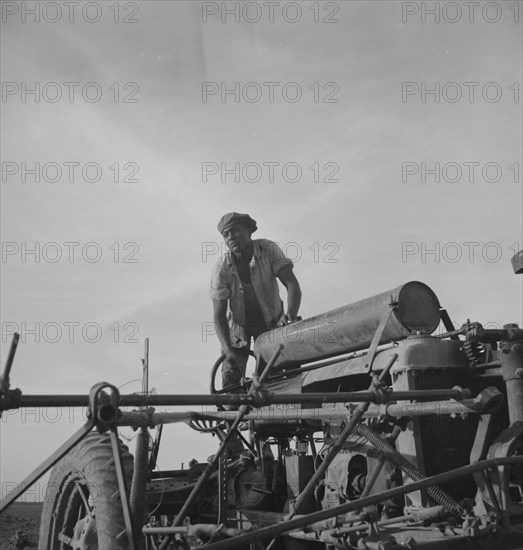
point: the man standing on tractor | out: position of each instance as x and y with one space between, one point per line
244 283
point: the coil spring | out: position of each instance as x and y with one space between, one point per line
440 496
475 352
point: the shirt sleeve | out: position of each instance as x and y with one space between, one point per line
220 288
278 258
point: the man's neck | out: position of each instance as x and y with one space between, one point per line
246 253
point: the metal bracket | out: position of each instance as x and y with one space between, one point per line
371 354
447 323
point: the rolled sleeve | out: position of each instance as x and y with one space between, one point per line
278 259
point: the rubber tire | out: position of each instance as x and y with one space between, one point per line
91 464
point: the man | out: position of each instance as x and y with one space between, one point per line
244 282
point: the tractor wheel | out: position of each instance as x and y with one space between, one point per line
82 508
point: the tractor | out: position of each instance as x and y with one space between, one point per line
378 425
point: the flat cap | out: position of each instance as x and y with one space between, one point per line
232 218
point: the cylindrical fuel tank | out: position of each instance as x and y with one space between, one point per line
352 327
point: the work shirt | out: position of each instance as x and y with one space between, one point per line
266 262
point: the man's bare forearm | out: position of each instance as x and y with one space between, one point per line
222 330
293 300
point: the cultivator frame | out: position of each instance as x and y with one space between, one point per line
331 526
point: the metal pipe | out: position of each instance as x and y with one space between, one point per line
298 522
335 413
390 521
180 400
4 380
139 482
352 327
414 516
324 363
141 460
207 530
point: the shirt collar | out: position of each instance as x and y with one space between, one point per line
256 253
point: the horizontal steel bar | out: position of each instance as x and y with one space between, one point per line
202 530
335 412
483 403
302 521
165 530
173 400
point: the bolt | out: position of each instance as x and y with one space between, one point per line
519 373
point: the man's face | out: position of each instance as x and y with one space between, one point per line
236 237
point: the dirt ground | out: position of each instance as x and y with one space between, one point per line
24 516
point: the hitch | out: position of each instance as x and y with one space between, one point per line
103 406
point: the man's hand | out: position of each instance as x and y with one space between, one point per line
289 281
288 319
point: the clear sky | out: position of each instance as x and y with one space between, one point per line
377 142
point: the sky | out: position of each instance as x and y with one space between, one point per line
378 142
